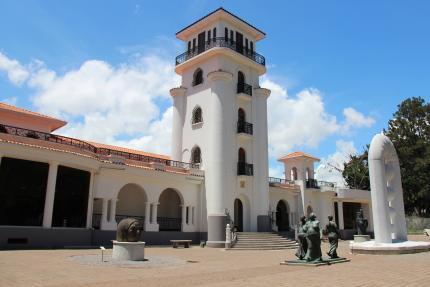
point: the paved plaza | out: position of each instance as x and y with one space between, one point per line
210 267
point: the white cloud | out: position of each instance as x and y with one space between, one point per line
331 167
16 73
354 118
115 105
302 120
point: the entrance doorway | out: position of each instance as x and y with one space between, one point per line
238 214
282 218
201 42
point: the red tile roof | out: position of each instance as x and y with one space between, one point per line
297 154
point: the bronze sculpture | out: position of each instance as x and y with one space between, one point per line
333 237
361 223
128 230
301 235
313 238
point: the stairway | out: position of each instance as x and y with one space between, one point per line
262 241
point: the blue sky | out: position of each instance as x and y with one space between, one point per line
362 55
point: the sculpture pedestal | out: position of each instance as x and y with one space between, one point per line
361 238
404 247
133 251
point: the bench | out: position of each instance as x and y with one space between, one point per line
427 232
176 243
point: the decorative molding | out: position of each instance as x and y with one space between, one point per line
220 75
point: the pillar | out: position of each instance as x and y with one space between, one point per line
154 212
113 210
90 201
260 160
340 214
103 220
147 214
184 216
50 195
178 95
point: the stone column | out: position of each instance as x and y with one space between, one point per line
154 212
50 195
113 210
147 214
90 201
178 95
184 216
340 214
103 220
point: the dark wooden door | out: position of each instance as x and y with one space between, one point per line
282 220
239 42
238 214
201 42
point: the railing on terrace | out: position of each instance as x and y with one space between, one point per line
91 148
244 168
244 127
244 88
326 184
97 219
169 224
312 183
221 42
274 181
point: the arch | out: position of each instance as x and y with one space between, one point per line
197 77
309 210
308 173
238 214
197 115
294 173
240 77
241 115
169 213
241 155
196 155
131 202
282 215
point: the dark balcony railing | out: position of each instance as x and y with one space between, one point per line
91 148
169 224
280 181
97 218
326 184
312 183
221 42
244 88
244 168
244 127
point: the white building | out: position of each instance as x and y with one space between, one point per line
58 191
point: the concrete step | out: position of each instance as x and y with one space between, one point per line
262 241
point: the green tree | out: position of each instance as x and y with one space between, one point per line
409 130
356 171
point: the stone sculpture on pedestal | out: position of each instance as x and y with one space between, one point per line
127 245
128 230
333 237
362 223
301 237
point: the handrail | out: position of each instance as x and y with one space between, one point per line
91 148
244 127
220 42
275 180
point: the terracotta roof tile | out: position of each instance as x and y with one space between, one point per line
297 154
123 149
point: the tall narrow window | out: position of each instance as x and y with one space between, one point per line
194 44
197 115
209 36
231 36
294 173
196 155
214 33
252 47
189 46
198 77
246 46
241 115
226 34
241 155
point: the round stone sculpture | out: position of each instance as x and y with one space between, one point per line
127 245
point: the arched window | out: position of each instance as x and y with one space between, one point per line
241 155
197 115
308 174
241 115
294 173
240 78
196 155
198 77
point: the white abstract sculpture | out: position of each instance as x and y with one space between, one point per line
386 191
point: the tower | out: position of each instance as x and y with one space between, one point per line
220 120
